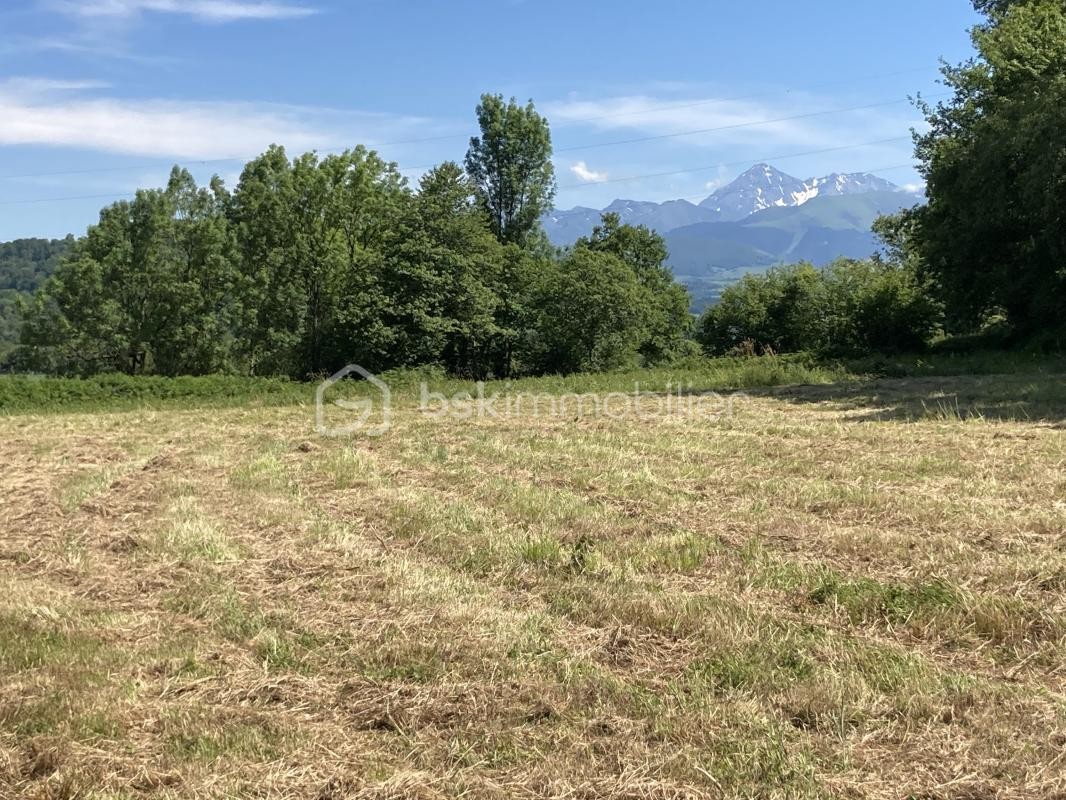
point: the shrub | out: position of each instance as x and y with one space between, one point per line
593 314
848 308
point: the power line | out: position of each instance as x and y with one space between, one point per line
575 186
872 171
574 148
735 126
112 196
128 168
702 168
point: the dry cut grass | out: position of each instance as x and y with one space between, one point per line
828 594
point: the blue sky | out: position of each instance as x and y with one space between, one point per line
100 97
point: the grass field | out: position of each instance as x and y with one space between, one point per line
851 589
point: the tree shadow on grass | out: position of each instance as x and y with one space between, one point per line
1017 398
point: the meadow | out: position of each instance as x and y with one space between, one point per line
847 586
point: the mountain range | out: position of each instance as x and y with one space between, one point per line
764 217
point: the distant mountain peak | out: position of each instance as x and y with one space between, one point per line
763 169
762 186
621 205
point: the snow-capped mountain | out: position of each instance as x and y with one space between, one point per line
834 224
854 183
763 186
762 218
759 188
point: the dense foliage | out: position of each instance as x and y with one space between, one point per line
510 163
992 238
24 265
848 308
312 263
988 248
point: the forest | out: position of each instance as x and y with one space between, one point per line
311 263
25 264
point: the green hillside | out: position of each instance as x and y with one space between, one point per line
24 265
846 212
819 231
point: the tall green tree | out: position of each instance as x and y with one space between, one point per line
593 314
992 238
150 288
368 198
311 235
991 8
669 320
261 213
440 274
510 165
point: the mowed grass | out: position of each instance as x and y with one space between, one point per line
849 590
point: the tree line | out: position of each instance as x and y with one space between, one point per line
312 262
990 244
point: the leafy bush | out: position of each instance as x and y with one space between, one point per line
608 303
848 308
593 314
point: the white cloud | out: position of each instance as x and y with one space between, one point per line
207 10
657 116
32 112
582 171
103 28
913 187
78 45
722 177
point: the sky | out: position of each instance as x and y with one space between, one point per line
646 101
